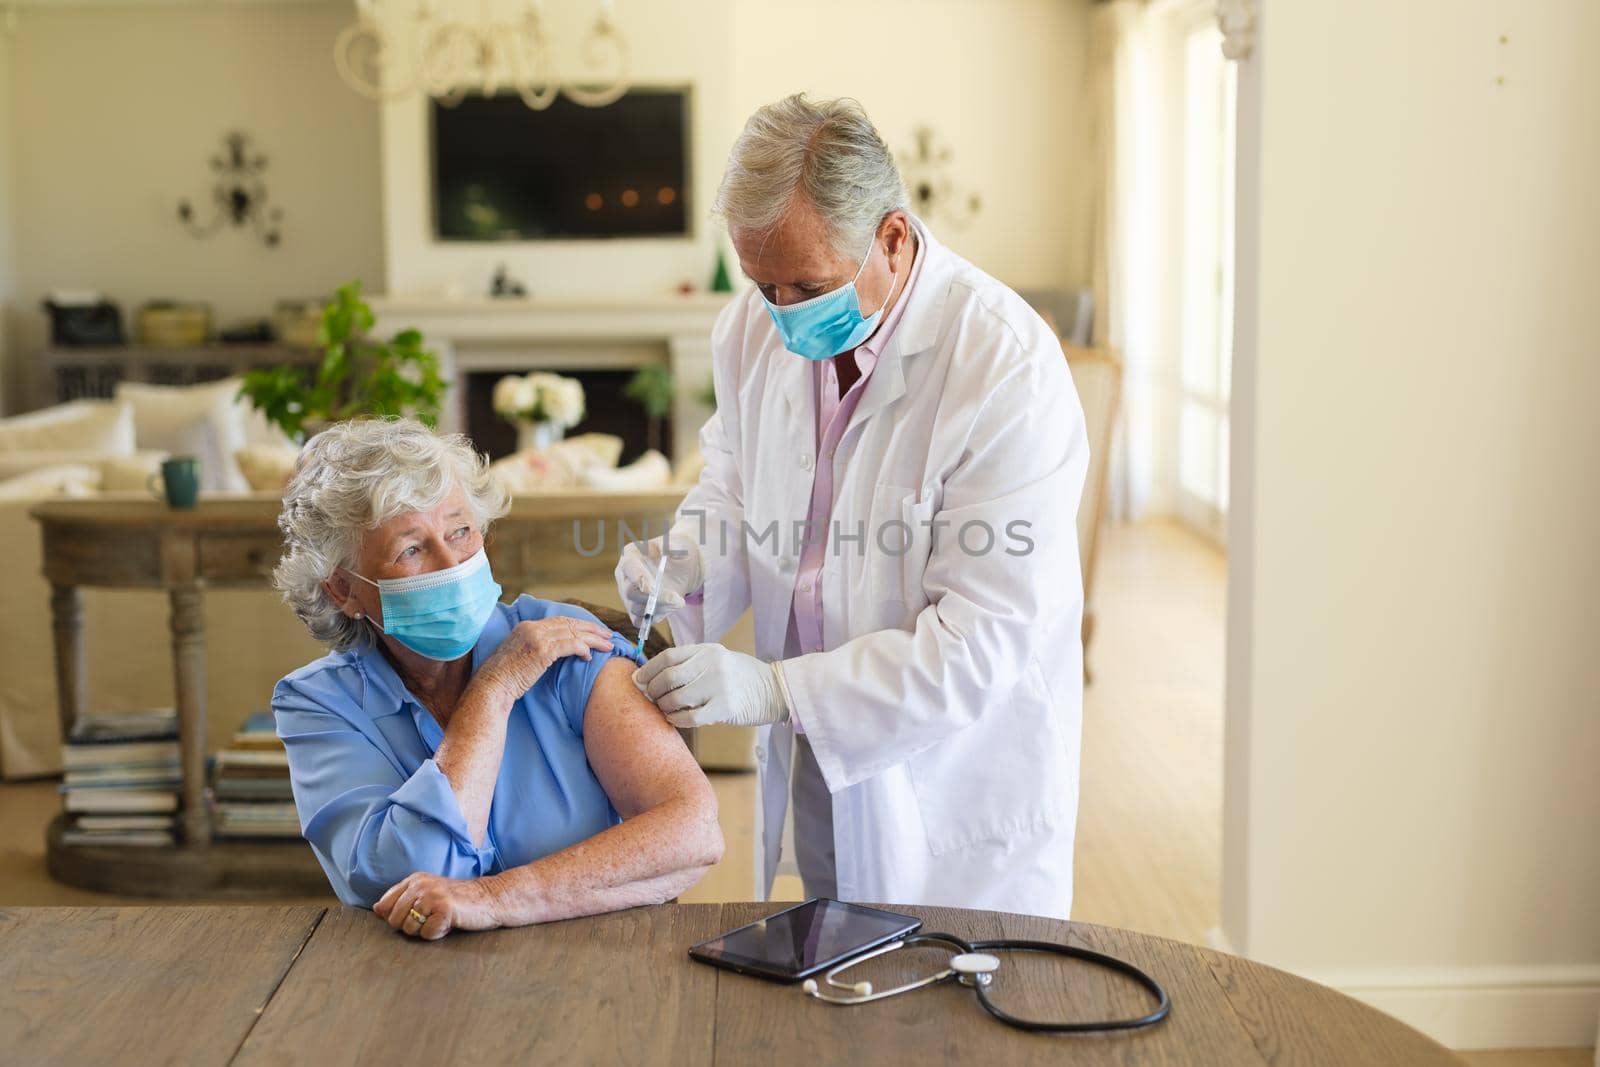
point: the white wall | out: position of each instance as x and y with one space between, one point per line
116 114
1413 810
117 110
8 271
1000 81
677 44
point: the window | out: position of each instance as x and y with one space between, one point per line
1206 347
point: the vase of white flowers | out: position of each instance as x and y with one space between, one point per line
542 406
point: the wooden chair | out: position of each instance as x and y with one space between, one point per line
1097 373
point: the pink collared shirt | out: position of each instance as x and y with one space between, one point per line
833 417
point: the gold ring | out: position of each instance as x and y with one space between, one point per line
422 920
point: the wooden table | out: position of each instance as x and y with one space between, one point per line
545 541
214 985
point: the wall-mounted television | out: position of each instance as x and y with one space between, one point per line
505 172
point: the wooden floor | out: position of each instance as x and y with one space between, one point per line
1150 810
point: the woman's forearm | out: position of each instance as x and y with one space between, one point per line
649 859
470 753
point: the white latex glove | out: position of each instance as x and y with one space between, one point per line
636 573
697 685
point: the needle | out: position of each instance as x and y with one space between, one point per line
650 605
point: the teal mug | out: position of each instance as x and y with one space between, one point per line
178 483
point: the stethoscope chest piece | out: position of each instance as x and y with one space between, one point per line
975 968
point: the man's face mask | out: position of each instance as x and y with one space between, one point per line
826 325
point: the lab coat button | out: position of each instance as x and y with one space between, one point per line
805 462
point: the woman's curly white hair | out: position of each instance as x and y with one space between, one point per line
352 478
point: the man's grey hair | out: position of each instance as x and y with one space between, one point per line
352 478
824 152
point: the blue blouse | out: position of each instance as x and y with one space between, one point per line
374 805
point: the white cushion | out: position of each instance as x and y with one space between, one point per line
62 480
192 420
563 465
532 471
80 426
649 471
128 474
257 429
267 467
21 462
588 451
117 472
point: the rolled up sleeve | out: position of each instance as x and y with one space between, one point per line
573 678
369 824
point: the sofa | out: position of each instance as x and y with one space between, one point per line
115 447
97 447
252 641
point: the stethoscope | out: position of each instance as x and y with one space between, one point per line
973 965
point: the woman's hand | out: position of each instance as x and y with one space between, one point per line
533 645
444 903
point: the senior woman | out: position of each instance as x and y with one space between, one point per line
459 763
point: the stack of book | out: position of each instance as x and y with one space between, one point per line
123 778
250 785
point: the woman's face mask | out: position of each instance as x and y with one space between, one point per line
441 614
827 325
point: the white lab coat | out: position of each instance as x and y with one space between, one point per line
945 711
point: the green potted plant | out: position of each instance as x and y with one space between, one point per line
358 375
652 389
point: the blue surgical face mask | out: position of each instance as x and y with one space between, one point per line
442 614
826 325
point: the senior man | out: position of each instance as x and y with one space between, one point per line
892 477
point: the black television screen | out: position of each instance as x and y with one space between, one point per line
503 171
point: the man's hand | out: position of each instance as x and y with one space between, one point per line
636 575
697 685
445 904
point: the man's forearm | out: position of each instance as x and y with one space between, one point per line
648 859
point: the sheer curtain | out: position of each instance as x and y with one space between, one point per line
1154 200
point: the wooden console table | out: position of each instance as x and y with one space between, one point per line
234 541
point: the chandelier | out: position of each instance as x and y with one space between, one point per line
397 48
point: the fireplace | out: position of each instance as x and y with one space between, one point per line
607 411
600 342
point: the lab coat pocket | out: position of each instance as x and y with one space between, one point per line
883 544
1004 776
895 549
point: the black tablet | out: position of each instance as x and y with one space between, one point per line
803 940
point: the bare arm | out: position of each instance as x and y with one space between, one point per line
669 836
469 755
475 738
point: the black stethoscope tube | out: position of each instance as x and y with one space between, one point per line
981 986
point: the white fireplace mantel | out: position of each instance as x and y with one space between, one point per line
514 320
514 335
